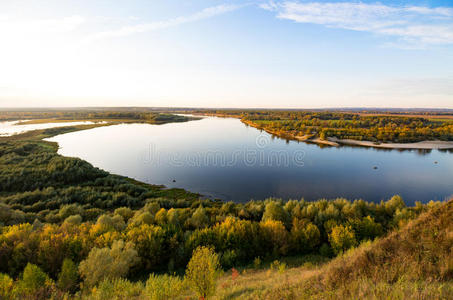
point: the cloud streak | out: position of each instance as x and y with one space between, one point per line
412 24
152 26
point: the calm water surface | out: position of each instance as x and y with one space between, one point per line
9 128
223 158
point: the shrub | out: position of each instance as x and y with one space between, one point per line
161 217
199 218
202 272
116 289
276 265
125 212
325 250
108 263
257 262
6 287
162 287
73 220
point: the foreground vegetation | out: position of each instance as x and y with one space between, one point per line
68 229
341 125
413 262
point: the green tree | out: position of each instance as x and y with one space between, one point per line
275 236
68 277
203 271
34 284
33 277
305 236
274 211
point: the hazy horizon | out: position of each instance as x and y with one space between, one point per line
227 54
394 108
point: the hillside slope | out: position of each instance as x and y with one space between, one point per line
415 262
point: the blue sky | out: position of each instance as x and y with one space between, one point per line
289 54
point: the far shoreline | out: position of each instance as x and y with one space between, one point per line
335 142
423 145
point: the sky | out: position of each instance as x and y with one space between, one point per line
245 54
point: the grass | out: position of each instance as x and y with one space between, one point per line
415 262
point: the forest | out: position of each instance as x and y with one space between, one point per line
67 227
343 125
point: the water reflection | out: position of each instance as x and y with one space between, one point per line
9 128
224 158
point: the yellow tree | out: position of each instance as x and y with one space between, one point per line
203 271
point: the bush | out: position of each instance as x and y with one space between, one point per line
203 271
326 250
6 287
162 287
116 289
199 218
73 220
108 263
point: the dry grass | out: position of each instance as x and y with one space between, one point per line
262 284
415 262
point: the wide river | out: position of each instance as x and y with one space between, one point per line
223 158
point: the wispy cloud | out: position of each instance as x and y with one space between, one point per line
412 24
152 26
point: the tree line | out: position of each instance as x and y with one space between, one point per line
325 124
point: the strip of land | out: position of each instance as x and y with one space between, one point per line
425 145
336 142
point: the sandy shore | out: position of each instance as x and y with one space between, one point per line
426 145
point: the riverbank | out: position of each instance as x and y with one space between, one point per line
335 142
424 145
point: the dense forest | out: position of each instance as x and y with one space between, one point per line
341 125
73 226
